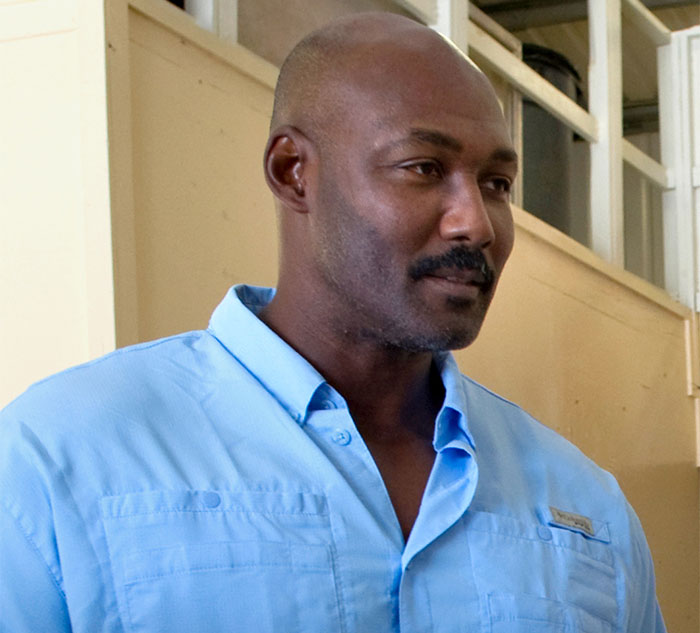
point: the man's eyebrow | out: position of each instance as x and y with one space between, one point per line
440 139
434 138
505 155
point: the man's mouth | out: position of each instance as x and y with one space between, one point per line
465 277
460 265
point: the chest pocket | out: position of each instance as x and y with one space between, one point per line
540 579
222 561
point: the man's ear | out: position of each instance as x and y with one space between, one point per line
287 166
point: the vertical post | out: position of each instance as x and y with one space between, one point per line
99 272
228 20
645 228
515 120
452 21
121 181
668 132
693 105
605 97
678 126
204 13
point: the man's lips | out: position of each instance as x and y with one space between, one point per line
467 277
465 285
460 265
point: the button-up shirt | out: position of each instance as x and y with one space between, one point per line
214 481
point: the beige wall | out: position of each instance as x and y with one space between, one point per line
204 217
270 28
55 252
194 214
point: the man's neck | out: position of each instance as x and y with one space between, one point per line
388 391
393 396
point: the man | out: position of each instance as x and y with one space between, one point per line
314 461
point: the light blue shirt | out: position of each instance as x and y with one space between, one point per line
213 481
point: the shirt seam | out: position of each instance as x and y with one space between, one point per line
610 564
340 593
211 511
33 545
205 568
193 334
478 385
620 597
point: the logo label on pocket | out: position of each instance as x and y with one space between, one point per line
572 520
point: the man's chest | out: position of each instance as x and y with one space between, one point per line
269 535
267 561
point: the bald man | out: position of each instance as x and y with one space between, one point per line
314 461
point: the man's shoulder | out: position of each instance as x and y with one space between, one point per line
117 379
499 413
506 431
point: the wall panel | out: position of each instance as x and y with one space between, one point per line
55 252
204 218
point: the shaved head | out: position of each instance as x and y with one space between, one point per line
307 95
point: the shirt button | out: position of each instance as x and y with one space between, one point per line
211 499
544 533
327 404
341 436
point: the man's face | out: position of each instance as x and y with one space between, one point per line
413 223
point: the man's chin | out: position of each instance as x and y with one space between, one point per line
457 340
443 340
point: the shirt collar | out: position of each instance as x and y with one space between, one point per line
452 423
287 375
294 382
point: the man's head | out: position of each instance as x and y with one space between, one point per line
392 165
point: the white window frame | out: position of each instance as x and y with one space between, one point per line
679 112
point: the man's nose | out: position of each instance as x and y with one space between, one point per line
467 218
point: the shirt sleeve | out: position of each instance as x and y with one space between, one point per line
31 583
30 597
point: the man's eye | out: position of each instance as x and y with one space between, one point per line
498 185
424 168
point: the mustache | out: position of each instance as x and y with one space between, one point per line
459 258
